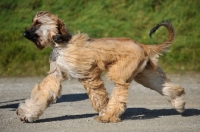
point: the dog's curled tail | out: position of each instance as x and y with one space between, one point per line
164 46
153 51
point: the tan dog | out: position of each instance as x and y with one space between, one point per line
81 57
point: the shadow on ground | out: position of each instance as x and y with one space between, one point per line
13 104
66 117
10 104
143 113
130 114
72 97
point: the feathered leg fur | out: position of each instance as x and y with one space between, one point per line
157 80
96 90
41 97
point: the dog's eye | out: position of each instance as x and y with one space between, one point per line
37 22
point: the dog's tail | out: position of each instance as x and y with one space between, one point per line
153 51
164 46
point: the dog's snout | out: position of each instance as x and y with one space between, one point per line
26 34
30 34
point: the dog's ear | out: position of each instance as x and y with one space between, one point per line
63 31
61 27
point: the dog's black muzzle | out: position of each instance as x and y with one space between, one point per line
30 34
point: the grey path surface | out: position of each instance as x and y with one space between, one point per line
147 110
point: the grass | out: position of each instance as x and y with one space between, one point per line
108 18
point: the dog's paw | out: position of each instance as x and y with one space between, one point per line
22 116
179 104
26 114
57 38
106 119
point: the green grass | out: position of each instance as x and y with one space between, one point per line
108 18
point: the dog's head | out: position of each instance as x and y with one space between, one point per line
44 26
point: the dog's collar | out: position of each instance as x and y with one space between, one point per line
54 54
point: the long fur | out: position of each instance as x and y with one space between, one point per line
79 56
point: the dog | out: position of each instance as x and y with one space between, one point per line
81 57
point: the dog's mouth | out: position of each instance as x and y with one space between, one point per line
34 38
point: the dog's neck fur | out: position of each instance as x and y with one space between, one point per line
54 54
56 57
76 39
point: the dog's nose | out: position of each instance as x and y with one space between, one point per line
26 34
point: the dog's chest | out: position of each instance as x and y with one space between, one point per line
61 62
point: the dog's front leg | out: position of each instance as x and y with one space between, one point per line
41 97
96 93
96 90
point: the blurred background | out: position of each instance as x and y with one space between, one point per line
101 18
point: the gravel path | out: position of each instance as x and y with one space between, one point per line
147 110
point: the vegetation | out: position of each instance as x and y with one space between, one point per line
108 18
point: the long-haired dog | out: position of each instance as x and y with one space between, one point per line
79 56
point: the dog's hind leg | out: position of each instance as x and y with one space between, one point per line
116 105
121 74
96 90
157 80
41 97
